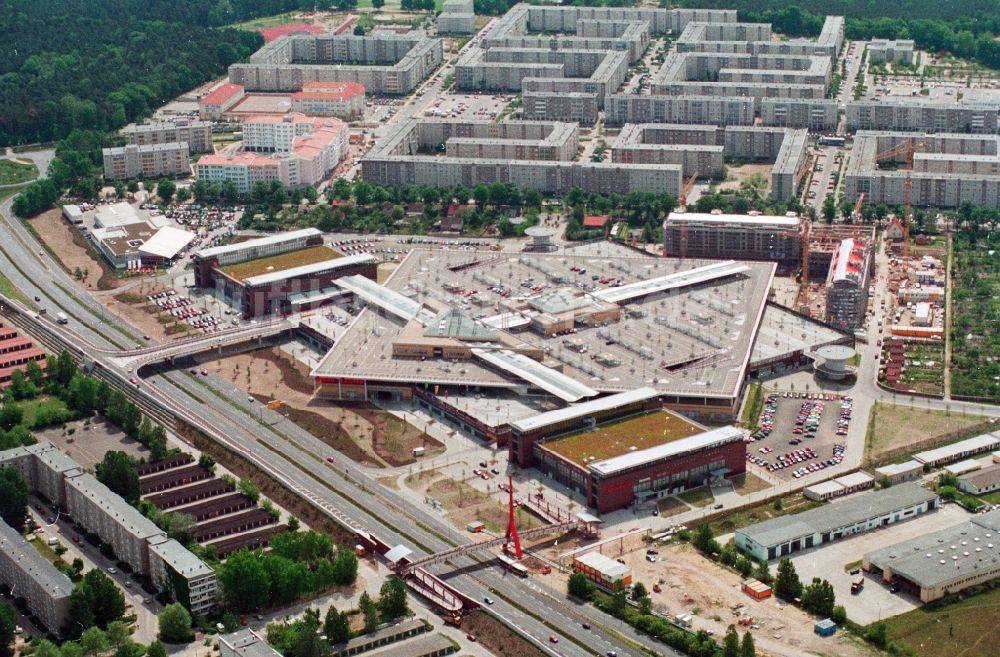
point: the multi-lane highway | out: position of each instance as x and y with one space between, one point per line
296 458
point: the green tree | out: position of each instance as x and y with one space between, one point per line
10 415
70 649
787 585
829 209
345 567
877 634
336 626
118 633
731 643
117 471
249 489
46 648
165 189
392 599
307 642
109 603
13 497
703 538
819 598
175 624
369 610
245 582
747 648
34 373
182 527
8 623
94 641
839 615
156 649
580 586
762 572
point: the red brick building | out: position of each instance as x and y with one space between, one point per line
15 354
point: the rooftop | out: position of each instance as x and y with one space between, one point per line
167 242
247 643
337 262
280 262
272 33
330 90
712 218
783 332
899 468
269 240
985 478
607 566
638 432
30 561
221 94
242 158
982 443
181 559
948 555
855 509
125 515
697 442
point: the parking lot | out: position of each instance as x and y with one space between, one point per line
800 433
468 106
875 601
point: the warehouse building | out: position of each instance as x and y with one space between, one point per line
986 480
208 260
897 473
781 536
384 64
150 161
942 562
963 449
840 486
196 134
26 574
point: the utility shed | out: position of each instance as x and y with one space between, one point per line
825 627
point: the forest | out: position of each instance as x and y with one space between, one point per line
71 64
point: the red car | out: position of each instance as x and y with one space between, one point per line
329 459
553 638
470 636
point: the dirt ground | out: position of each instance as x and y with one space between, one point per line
131 305
498 638
69 246
466 504
89 442
362 433
898 426
693 585
737 173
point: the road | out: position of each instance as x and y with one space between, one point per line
282 449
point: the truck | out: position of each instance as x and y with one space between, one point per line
62 318
857 585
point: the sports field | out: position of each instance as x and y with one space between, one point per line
280 262
969 628
628 435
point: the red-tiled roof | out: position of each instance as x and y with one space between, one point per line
221 94
330 90
595 220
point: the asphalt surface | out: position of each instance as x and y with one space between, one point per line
296 459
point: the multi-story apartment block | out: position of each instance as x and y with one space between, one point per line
26 574
578 106
188 579
923 116
152 161
847 285
712 110
816 115
882 51
197 134
739 237
344 100
457 17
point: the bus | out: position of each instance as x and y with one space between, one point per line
831 141
512 565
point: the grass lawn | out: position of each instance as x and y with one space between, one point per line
795 503
968 628
991 498
33 407
270 21
44 549
669 506
15 173
698 497
748 483
898 426
280 262
8 290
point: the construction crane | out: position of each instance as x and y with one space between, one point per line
856 213
905 149
682 205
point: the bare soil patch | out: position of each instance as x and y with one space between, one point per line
466 503
362 433
897 428
90 441
736 174
72 250
497 637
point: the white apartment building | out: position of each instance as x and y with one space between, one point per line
27 574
